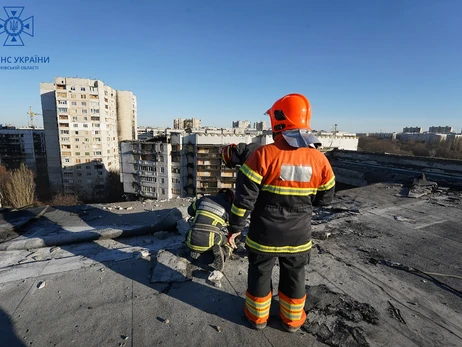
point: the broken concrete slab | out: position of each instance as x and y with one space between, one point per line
171 268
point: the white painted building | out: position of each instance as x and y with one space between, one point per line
84 120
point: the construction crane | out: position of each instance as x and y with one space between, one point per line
32 115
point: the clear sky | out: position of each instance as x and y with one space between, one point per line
365 65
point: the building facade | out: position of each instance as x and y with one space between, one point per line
25 145
441 130
241 124
84 120
413 130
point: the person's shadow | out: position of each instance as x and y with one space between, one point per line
8 337
193 293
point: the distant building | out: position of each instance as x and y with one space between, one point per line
178 123
84 121
145 133
260 126
413 130
24 145
441 130
241 124
192 123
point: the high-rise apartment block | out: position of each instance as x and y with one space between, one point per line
261 126
84 120
241 124
413 130
441 130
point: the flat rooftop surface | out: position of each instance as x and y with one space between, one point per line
385 270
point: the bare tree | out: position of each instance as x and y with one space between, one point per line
20 189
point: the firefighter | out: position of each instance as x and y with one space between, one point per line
278 186
208 229
233 155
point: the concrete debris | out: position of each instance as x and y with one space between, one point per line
171 268
141 254
420 187
218 328
41 285
129 208
53 249
320 235
328 313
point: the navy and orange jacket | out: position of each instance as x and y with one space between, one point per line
278 186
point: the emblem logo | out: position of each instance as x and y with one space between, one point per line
13 26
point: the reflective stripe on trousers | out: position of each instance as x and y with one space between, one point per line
257 309
292 311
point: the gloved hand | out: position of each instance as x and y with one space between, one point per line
232 239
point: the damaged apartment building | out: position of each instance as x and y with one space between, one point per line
181 164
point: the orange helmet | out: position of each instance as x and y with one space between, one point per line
227 154
292 111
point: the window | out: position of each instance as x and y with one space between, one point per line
88 167
74 110
97 139
63 117
62 102
163 191
76 132
87 153
85 125
88 173
77 153
162 169
62 109
94 118
162 181
74 119
84 111
64 131
82 89
72 88
87 139
77 139
64 139
74 103
75 125
67 160
73 96
97 132
83 96
78 161
95 125
84 103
